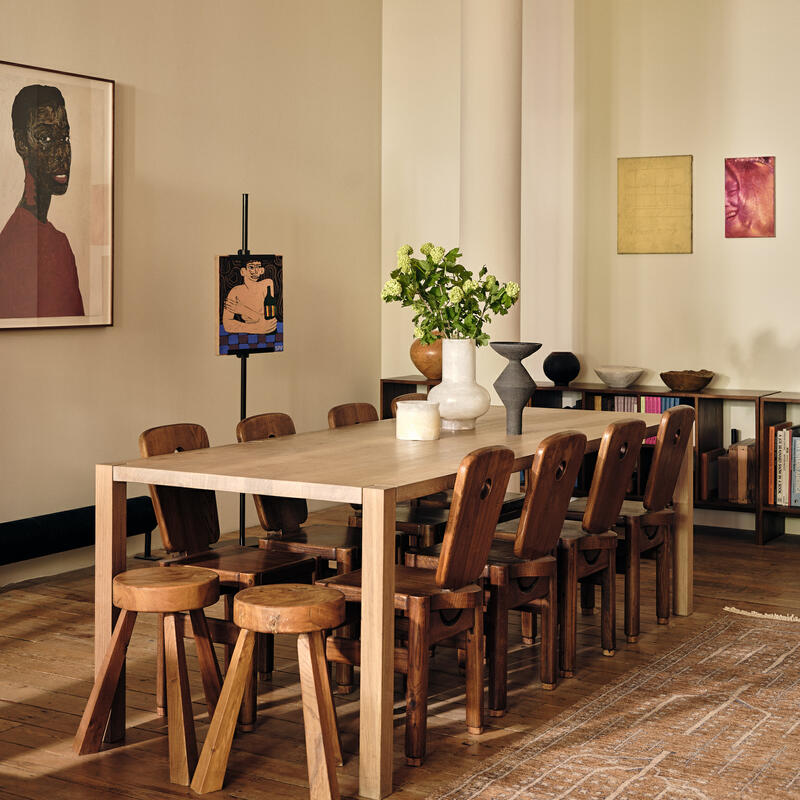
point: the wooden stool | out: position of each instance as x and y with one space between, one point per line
282 608
165 591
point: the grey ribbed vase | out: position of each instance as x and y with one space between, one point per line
514 385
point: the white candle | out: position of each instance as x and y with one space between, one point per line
418 420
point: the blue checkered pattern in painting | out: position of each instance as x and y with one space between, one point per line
230 343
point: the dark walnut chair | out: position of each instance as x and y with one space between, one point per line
442 603
189 525
284 518
587 549
521 573
151 589
645 528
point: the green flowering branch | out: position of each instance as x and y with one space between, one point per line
446 297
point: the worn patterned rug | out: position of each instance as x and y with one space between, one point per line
717 718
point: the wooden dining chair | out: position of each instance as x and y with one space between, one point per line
441 603
587 549
351 414
645 527
189 526
283 518
521 573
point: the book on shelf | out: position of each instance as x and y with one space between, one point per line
742 472
794 494
723 466
709 473
772 459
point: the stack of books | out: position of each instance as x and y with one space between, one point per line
729 474
783 464
646 403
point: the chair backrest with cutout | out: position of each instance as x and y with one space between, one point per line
478 495
671 441
616 460
187 518
285 514
552 481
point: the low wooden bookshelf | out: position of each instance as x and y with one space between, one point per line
768 406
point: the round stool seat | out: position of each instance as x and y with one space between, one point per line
166 589
288 608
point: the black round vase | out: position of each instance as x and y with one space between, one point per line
562 367
514 385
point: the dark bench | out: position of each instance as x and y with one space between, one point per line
22 539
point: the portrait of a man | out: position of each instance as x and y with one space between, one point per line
250 304
56 150
38 277
749 197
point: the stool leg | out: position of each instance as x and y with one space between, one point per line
161 681
210 772
322 737
587 596
98 707
180 722
207 659
265 644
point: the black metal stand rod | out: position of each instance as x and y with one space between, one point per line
243 361
242 414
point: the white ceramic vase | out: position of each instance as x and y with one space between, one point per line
461 400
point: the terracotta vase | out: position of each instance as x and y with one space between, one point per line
427 358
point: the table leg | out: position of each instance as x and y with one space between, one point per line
683 538
109 560
377 643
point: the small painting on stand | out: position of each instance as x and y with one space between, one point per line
250 304
750 197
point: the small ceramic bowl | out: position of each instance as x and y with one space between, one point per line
618 377
687 380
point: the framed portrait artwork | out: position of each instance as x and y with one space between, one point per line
249 304
56 198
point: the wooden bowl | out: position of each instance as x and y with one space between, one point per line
687 380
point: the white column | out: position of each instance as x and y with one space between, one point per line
550 292
491 80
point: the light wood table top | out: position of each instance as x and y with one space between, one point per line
338 464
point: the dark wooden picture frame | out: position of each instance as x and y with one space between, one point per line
56 198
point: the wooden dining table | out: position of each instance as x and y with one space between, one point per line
359 464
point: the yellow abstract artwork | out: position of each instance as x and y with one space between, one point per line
654 204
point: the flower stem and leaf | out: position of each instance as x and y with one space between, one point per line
447 299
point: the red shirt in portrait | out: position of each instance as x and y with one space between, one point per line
38 277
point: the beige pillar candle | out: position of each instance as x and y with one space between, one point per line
418 420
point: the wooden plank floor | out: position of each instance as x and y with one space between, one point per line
46 674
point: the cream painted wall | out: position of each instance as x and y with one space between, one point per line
710 79
273 97
420 155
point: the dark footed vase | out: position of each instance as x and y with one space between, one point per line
562 367
514 385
